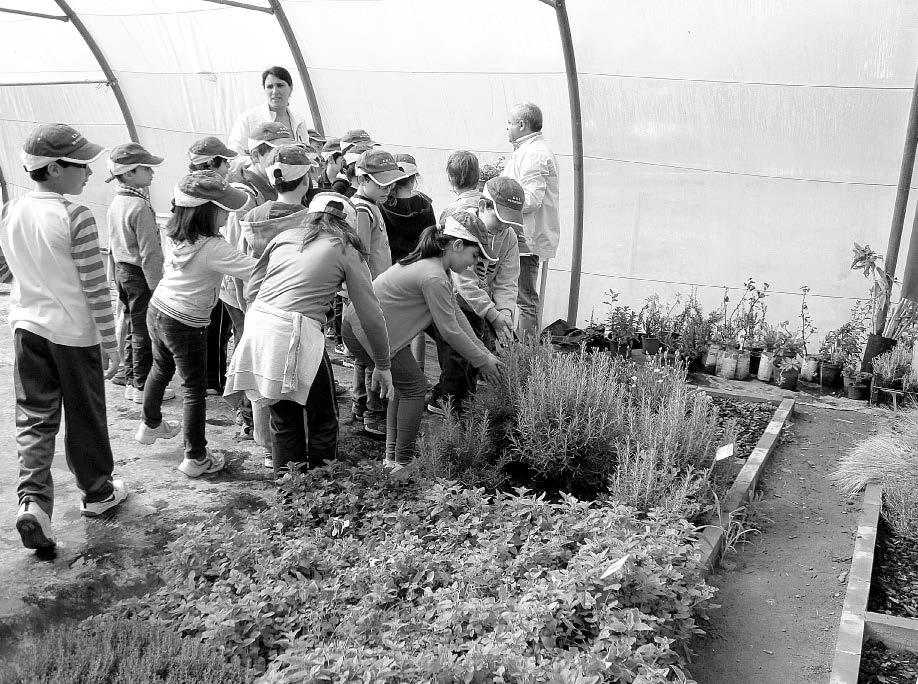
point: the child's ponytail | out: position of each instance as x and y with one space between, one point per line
432 243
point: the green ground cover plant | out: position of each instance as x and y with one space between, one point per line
354 577
118 651
591 424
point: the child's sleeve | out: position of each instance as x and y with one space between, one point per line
366 305
84 250
226 259
365 227
451 322
505 286
469 287
149 246
250 292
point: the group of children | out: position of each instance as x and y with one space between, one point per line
274 239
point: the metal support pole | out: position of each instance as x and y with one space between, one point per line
294 46
38 15
898 220
4 191
573 91
103 64
242 5
96 81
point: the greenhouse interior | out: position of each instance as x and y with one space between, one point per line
435 341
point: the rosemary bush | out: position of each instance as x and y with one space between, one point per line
589 424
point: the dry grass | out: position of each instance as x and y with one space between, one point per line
889 458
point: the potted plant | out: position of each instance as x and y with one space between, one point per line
652 320
881 282
621 327
788 373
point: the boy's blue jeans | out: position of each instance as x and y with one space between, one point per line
176 345
48 376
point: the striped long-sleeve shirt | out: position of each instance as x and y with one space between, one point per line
50 247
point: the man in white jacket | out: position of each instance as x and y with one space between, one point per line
533 166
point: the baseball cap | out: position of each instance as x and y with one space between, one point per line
124 158
205 149
380 166
289 162
355 136
468 227
508 199
331 147
200 187
271 132
53 142
336 205
353 154
408 164
314 135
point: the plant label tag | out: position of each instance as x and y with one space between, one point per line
726 451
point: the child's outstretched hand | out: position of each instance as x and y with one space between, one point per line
503 328
382 382
113 356
490 372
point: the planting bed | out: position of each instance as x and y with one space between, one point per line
752 417
882 665
894 587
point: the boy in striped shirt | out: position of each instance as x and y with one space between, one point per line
60 313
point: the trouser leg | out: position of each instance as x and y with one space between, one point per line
288 434
528 298
86 441
38 417
322 415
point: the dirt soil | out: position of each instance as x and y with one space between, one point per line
781 595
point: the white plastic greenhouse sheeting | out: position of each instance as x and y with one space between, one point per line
723 139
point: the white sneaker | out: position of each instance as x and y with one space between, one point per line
211 463
148 435
137 395
34 526
119 494
129 392
397 469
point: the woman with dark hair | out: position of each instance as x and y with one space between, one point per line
278 85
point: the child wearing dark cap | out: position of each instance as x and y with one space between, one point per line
210 154
376 171
486 293
60 312
138 256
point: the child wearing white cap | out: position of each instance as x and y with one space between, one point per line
414 293
60 312
290 168
294 282
180 309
